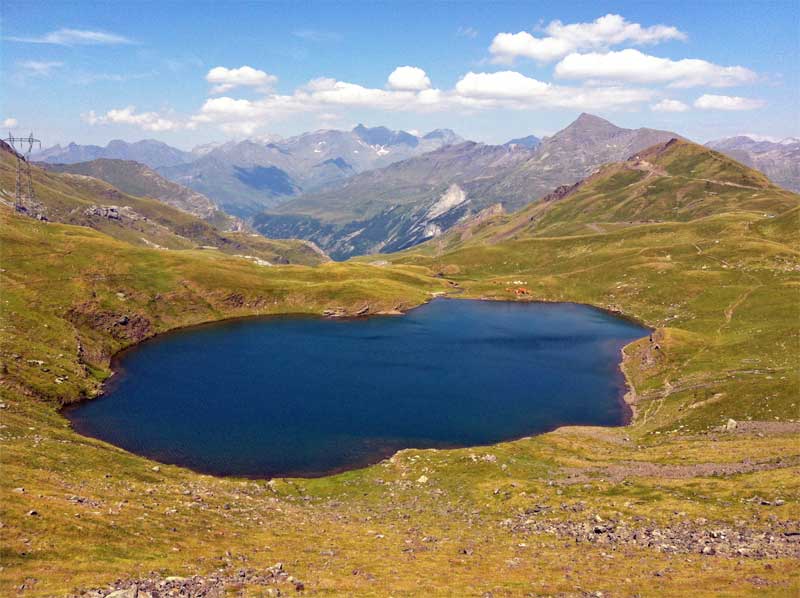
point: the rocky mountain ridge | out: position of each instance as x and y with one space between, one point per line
248 176
137 179
87 201
406 203
675 181
779 160
149 152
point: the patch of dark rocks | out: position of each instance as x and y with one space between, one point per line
196 586
777 539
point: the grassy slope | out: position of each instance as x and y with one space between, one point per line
72 277
137 179
677 182
65 197
720 291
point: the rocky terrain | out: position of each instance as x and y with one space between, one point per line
270 581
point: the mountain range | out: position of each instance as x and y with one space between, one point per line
140 219
249 176
149 152
675 181
246 177
373 189
408 202
779 160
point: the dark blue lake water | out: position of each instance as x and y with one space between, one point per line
300 396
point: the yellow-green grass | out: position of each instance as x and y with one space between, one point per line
720 292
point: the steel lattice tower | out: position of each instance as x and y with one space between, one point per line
23 192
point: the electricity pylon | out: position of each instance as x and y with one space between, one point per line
23 192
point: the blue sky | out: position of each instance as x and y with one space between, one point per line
175 71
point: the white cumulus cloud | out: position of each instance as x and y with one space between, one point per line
10 122
409 78
669 106
508 46
473 91
631 65
717 102
225 79
503 84
333 92
242 116
510 89
604 32
149 121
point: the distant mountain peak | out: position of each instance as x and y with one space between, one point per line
530 142
384 136
241 175
151 152
590 122
361 129
757 138
120 145
585 117
394 207
437 133
446 136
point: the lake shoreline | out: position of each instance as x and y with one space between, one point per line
626 398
